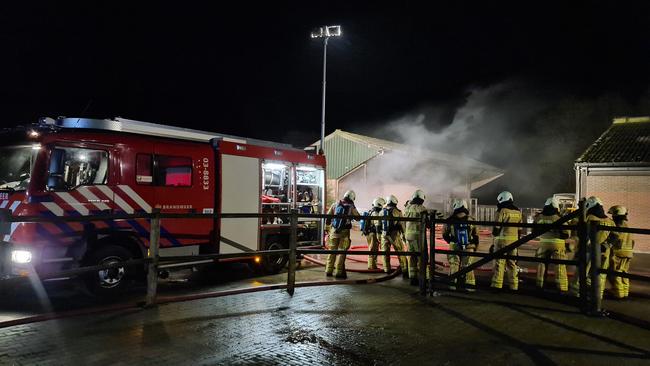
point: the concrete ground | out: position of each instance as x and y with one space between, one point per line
376 324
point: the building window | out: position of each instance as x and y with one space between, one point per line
72 167
174 171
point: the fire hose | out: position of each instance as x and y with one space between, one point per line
439 263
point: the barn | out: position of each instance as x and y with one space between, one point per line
376 167
616 168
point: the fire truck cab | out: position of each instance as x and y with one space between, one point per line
81 167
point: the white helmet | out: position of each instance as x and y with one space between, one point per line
391 199
504 197
418 194
350 195
378 202
552 201
618 210
458 203
592 201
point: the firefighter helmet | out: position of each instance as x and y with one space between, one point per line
504 197
592 201
552 201
391 199
378 202
418 194
618 210
350 195
458 203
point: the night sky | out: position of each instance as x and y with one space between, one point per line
254 71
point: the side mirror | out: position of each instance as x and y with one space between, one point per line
55 182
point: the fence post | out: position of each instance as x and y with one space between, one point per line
582 259
596 302
154 244
432 253
293 239
422 258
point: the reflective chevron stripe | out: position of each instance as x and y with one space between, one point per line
136 198
84 191
78 206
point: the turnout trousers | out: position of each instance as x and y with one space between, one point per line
620 285
373 246
457 262
388 239
336 263
505 266
553 249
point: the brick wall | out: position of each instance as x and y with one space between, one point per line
631 191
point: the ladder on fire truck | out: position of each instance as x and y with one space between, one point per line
119 124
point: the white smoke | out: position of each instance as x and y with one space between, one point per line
534 137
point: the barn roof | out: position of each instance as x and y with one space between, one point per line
345 151
626 142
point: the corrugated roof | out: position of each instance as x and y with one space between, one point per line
345 151
367 140
626 142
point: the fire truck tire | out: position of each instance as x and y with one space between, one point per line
274 264
113 281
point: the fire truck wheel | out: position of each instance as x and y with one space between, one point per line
273 264
109 281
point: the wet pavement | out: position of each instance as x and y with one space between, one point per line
376 324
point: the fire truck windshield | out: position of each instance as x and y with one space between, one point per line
16 164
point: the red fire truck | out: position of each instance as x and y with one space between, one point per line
80 167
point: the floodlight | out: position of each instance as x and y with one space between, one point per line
327 31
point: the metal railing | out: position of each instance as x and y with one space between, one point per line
590 301
588 262
154 262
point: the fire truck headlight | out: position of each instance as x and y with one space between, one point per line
21 256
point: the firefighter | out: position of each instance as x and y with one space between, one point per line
504 236
339 234
391 234
595 215
623 246
552 245
371 229
415 209
464 237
